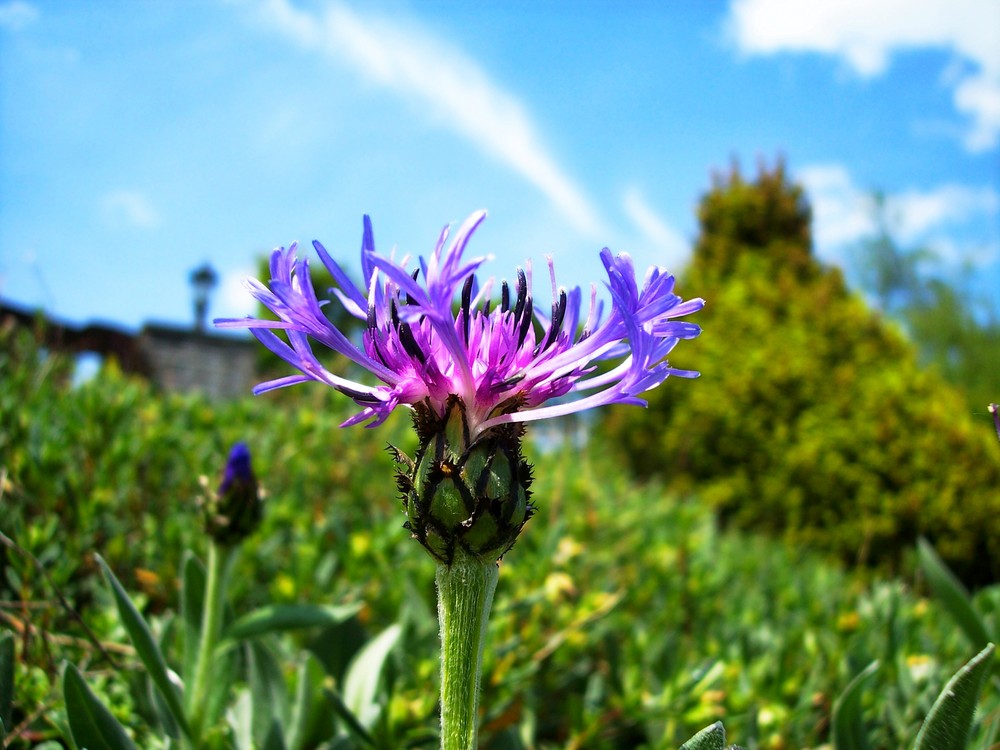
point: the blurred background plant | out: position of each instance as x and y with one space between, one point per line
816 418
953 328
650 598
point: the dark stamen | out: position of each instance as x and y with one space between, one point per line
377 348
525 323
410 343
508 382
409 299
466 303
365 398
393 314
522 292
372 322
504 297
558 314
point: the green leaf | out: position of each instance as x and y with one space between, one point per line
953 595
336 645
240 720
275 739
92 725
710 738
950 719
268 690
163 714
192 604
287 617
146 648
362 680
225 668
6 679
309 681
508 739
351 723
343 742
848 722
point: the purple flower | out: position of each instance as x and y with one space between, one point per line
433 332
238 469
235 510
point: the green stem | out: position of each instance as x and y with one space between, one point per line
465 595
219 559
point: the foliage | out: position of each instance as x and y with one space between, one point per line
813 419
947 725
952 328
624 618
892 275
963 341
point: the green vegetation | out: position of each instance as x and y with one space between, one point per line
813 420
646 600
624 618
956 330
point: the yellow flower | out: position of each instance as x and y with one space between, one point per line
848 622
361 543
558 585
567 549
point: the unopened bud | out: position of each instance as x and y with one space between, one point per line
235 511
458 494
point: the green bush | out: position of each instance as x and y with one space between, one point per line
812 419
623 617
112 466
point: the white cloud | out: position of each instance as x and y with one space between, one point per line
843 214
128 208
233 299
945 206
446 82
979 97
866 33
672 249
17 14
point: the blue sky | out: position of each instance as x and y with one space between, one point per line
141 139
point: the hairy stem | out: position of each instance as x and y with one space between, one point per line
465 595
219 559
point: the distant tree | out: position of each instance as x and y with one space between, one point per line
813 419
892 275
963 342
952 328
768 219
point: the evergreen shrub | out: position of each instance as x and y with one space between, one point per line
812 420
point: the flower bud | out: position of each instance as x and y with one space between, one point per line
235 510
458 494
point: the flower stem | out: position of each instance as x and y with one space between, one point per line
465 595
219 559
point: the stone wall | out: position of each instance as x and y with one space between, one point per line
173 358
182 360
